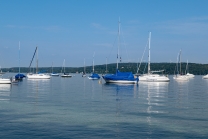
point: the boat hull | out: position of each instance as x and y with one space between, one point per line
95 78
180 78
38 76
66 76
120 81
5 81
188 75
205 77
153 78
54 74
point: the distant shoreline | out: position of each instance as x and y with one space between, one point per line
169 68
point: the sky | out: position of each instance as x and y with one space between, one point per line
76 29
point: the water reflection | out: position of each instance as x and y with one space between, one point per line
155 94
35 86
5 90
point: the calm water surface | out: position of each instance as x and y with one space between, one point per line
81 108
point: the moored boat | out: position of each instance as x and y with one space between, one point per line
120 77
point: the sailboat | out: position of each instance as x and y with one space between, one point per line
93 76
1 73
150 77
189 75
84 72
205 77
19 76
4 80
179 76
37 75
65 74
52 73
120 77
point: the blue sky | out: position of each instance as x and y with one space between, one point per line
75 29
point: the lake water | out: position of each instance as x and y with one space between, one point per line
81 108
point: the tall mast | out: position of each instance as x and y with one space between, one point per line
106 66
19 57
93 63
180 61
149 54
84 67
118 42
37 61
177 62
52 67
64 65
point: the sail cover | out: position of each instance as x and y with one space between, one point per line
120 76
94 75
19 76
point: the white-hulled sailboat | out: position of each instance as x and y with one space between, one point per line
150 77
37 75
205 77
4 80
179 76
189 75
65 74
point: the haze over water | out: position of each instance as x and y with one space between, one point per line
81 108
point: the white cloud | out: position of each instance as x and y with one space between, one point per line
98 26
195 25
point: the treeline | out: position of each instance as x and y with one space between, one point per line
169 68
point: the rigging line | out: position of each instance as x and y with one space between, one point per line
112 47
142 57
145 67
33 57
125 45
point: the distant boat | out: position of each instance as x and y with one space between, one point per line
37 75
65 74
1 73
189 75
179 76
150 77
84 72
19 76
205 77
52 73
5 81
120 77
93 76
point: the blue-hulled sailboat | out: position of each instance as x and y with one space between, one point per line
120 77
19 76
93 76
53 73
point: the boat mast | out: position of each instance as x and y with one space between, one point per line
180 61
106 66
118 42
149 54
93 63
84 67
177 62
64 65
52 67
37 61
19 58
